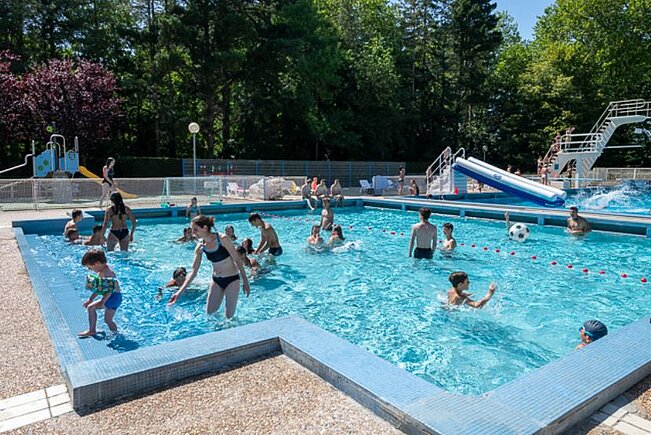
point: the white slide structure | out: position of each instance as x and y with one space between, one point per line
510 183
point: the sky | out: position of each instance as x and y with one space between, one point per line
525 13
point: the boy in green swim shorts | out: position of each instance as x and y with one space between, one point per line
103 283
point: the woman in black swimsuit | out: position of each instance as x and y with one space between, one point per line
117 214
108 184
227 268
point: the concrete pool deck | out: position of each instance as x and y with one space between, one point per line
39 355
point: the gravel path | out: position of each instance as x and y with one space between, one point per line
275 395
27 359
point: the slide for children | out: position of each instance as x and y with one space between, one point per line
510 183
86 173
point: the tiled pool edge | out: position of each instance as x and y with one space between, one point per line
536 402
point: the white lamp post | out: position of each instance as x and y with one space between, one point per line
484 149
193 128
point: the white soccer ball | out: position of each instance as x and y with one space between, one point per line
519 232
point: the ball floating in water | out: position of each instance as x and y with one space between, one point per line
643 280
533 257
519 232
473 245
512 252
601 272
624 275
485 248
569 266
554 263
585 270
497 250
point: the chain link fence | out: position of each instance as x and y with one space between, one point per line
348 173
611 175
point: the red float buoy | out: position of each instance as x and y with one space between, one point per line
512 252
497 250
643 280
569 266
585 270
463 244
624 275
473 245
601 272
393 233
402 234
554 263
533 257
485 248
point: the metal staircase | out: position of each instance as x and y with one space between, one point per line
583 149
439 177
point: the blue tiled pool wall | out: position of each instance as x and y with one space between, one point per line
530 403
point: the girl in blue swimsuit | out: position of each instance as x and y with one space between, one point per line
227 268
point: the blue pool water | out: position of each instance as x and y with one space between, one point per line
371 294
626 199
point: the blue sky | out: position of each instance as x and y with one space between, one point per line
525 13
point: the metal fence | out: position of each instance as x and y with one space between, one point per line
614 174
348 173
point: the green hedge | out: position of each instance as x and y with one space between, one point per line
145 167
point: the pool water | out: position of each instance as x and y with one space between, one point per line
625 199
371 294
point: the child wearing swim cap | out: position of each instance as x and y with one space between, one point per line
592 330
103 283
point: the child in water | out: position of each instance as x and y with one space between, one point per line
592 330
229 230
103 283
315 238
178 278
97 238
457 295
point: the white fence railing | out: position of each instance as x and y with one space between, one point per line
614 174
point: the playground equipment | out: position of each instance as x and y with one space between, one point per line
57 158
88 174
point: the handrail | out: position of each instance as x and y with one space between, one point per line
438 160
18 166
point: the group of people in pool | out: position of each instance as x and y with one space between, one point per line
229 259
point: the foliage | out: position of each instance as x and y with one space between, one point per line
316 79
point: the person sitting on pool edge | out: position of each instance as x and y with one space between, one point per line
424 234
592 330
193 209
576 224
460 283
336 193
268 237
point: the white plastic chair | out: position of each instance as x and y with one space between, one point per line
366 186
232 189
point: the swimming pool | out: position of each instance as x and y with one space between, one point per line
626 199
371 294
